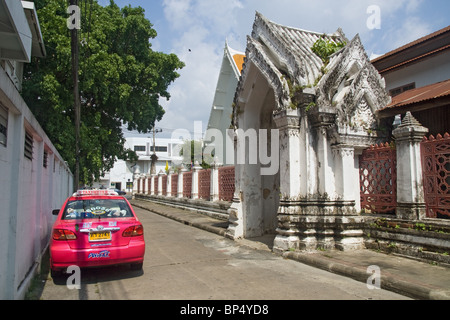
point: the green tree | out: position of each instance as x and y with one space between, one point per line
121 81
192 151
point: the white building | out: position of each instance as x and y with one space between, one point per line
222 106
121 175
34 179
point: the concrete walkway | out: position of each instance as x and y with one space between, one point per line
416 279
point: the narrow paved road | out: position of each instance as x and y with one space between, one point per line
183 262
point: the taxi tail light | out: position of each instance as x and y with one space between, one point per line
63 234
133 231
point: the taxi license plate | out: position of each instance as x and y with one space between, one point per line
100 236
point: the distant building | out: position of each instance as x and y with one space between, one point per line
417 77
121 175
222 106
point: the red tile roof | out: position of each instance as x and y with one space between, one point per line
433 44
413 43
420 95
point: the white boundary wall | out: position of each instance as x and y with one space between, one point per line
29 191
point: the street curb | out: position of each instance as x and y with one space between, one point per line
212 229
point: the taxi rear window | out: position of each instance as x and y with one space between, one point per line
96 208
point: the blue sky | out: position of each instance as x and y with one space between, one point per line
203 26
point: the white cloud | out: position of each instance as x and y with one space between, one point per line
413 5
177 13
197 46
411 29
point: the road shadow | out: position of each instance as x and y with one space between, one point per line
87 276
265 240
100 274
223 225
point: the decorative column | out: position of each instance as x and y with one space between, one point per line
194 190
160 176
346 174
235 212
152 184
180 182
144 184
349 232
135 184
410 195
214 187
287 121
136 173
139 184
169 184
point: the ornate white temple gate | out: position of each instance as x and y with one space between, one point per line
324 112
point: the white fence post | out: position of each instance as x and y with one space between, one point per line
214 189
194 188
410 195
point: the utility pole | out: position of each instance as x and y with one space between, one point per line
76 94
154 157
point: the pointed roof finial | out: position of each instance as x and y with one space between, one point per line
409 120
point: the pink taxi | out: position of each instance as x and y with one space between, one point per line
96 228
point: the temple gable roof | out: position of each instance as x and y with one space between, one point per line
284 54
291 48
349 81
346 88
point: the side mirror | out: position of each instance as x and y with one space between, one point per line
55 212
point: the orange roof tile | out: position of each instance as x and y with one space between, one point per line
239 60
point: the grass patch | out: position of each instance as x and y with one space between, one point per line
37 284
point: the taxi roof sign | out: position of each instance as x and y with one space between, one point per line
95 192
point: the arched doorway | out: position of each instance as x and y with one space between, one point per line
257 158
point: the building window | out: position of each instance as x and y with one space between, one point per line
139 148
396 91
3 125
28 150
159 149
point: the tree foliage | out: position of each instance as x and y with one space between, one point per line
121 81
324 48
192 151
